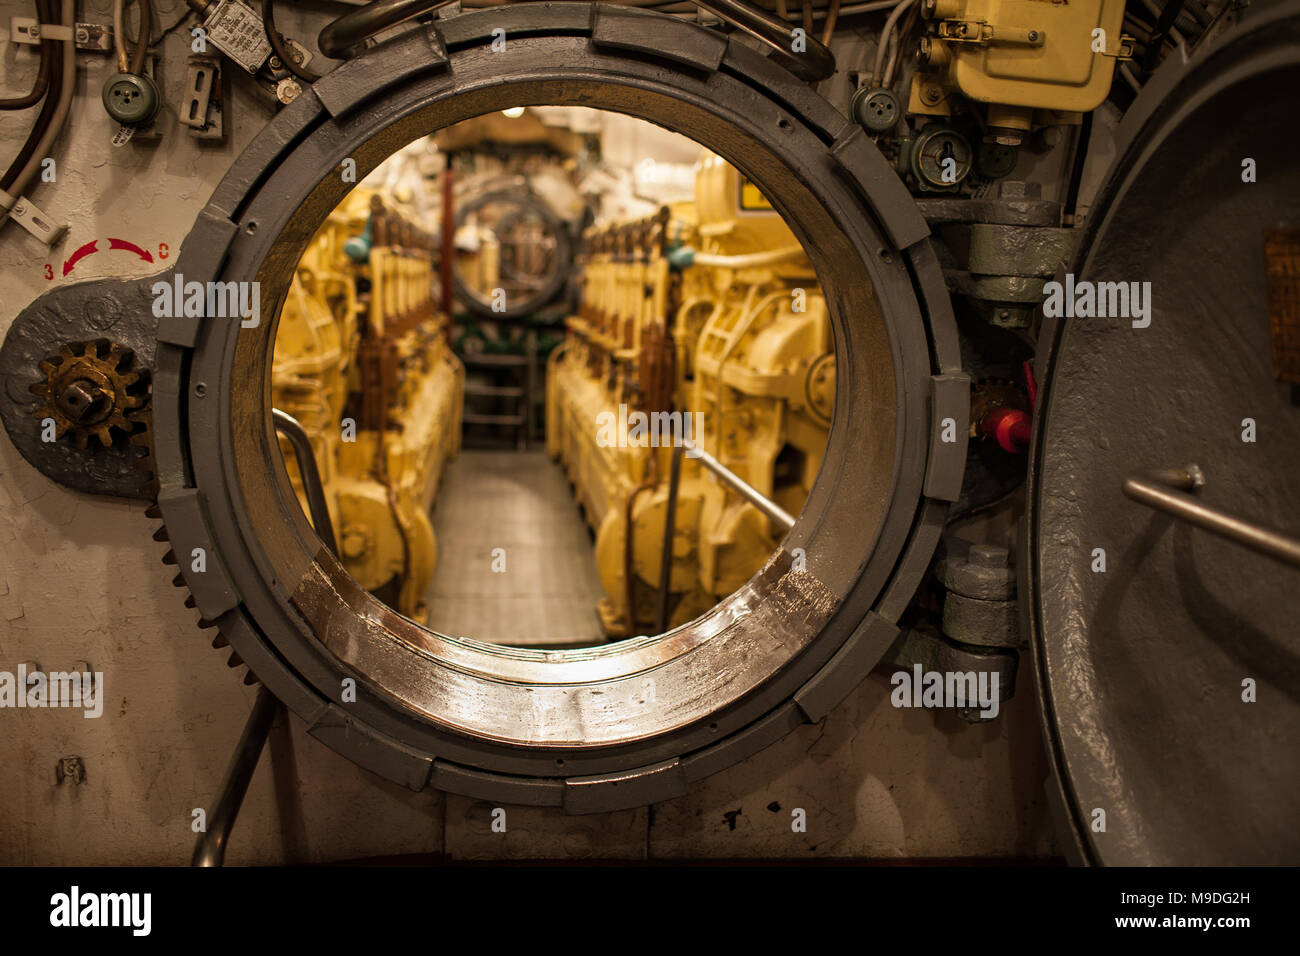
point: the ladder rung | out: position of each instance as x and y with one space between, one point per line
491 358
509 391
473 419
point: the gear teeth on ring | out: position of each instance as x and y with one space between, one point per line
219 640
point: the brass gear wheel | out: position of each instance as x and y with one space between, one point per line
91 390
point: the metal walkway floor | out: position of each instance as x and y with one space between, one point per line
518 502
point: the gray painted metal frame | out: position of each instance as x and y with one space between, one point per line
569 728
1140 667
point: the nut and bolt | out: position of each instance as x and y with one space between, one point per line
1016 189
989 555
84 402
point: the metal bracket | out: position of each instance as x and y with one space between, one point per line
203 108
1125 52
32 218
983 33
91 37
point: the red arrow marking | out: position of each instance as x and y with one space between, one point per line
80 254
130 247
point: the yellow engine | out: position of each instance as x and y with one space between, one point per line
362 361
704 323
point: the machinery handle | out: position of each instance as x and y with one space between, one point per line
1167 491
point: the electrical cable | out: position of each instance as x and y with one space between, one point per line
883 44
119 36
896 45
57 118
281 48
141 49
42 82
45 114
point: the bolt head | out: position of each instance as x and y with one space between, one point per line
989 555
84 402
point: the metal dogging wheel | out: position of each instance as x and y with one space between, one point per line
634 722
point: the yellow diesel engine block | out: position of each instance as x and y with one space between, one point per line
362 361
704 323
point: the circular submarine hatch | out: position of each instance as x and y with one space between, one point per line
637 721
1168 657
523 205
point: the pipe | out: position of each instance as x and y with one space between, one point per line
670 532
289 427
747 491
752 260
832 17
211 847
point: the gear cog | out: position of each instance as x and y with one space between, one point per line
92 390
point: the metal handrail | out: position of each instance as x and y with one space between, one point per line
747 491
210 850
